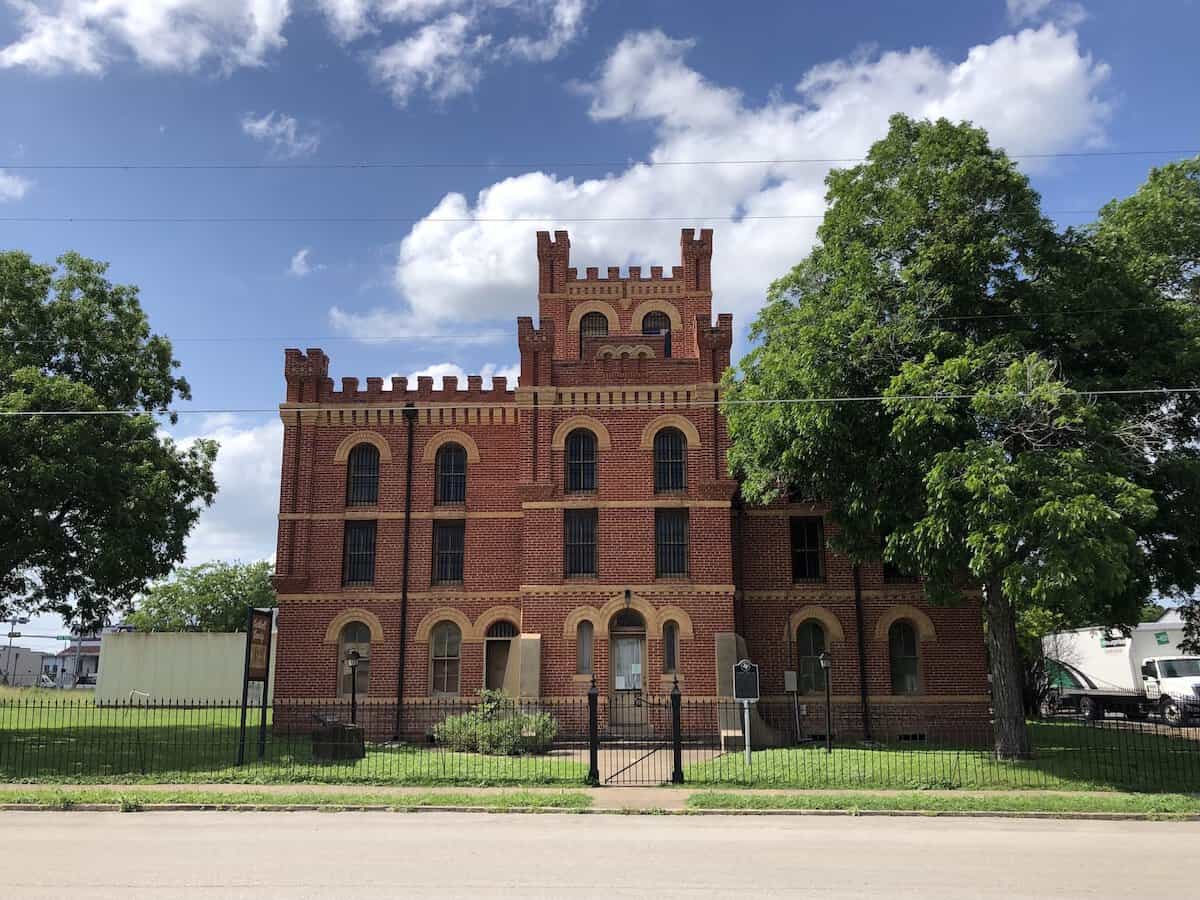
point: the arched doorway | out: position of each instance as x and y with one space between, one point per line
497 652
627 665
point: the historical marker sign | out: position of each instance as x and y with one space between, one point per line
745 681
257 672
259 637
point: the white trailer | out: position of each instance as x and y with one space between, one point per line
1099 670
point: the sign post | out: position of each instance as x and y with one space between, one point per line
745 691
257 669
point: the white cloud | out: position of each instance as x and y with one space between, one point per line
438 371
283 134
13 187
565 19
443 58
300 266
180 35
1067 13
241 523
1035 92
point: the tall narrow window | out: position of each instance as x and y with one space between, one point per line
810 642
593 324
581 460
362 476
585 633
659 323
670 461
808 549
451 474
445 645
356 637
449 541
670 643
579 542
358 553
902 655
670 542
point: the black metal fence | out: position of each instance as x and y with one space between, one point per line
627 739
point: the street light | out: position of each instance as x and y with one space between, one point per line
352 660
826 663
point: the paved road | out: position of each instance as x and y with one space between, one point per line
451 855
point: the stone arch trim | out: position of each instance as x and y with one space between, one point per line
625 351
450 436
346 616
920 621
589 306
828 619
610 609
679 617
671 420
650 306
577 615
603 440
444 614
494 614
342 454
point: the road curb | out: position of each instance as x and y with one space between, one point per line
612 811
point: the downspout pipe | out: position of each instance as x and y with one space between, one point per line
864 699
410 419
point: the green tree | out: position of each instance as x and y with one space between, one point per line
939 286
208 597
92 507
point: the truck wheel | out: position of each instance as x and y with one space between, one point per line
1091 708
1171 712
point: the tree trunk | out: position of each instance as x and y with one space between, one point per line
1012 736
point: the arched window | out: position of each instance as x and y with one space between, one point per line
497 650
670 460
445 646
585 634
354 636
670 641
451 475
902 656
362 475
593 324
581 460
659 323
810 642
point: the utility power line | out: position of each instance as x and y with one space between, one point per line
869 398
545 164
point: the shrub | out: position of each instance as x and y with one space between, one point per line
497 727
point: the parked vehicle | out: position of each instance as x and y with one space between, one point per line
1098 670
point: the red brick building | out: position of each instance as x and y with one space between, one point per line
582 523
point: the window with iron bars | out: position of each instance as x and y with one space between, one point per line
670 542
594 324
579 542
659 323
581 461
451 474
808 548
362 476
670 461
449 541
358 553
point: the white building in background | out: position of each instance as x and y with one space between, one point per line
20 666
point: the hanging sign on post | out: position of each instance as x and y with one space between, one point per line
745 692
257 672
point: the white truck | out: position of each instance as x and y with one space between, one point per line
1099 670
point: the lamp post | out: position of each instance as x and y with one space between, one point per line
826 662
352 660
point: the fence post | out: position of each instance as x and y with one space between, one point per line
593 777
676 733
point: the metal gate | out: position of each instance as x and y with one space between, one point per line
636 742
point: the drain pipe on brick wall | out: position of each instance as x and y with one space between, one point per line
410 418
862 653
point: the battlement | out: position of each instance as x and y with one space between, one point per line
556 275
308 381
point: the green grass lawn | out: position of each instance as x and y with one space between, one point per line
1068 756
1024 802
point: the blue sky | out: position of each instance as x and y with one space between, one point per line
528 87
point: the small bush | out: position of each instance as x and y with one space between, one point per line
497 727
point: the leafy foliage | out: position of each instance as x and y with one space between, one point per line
498 727
939 286
208 597
91 506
